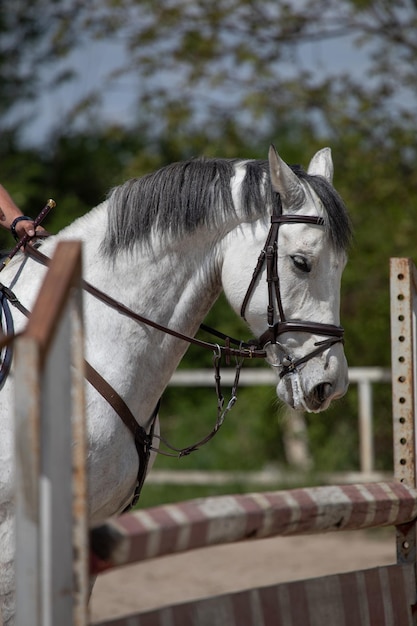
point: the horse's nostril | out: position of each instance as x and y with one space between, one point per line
322 392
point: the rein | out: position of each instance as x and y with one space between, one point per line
245 350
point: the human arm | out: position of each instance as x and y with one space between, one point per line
12 218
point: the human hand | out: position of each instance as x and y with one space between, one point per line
24 225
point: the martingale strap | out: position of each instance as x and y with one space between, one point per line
143 440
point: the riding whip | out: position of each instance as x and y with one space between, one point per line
23 241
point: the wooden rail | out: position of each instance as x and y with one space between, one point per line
174 528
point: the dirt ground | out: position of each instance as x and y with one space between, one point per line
220 569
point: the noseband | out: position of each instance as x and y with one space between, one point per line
269 256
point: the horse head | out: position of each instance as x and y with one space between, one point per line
292 303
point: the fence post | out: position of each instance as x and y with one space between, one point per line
366 440
403 350
51 500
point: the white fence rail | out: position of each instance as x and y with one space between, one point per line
363 377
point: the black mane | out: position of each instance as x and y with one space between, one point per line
181 197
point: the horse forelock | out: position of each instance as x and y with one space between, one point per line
184 196
337 221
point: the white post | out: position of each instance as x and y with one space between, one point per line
366 427
51 499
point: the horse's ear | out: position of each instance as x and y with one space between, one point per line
322 165
284 181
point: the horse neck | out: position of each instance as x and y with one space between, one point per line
174 285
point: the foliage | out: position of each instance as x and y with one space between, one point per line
77 172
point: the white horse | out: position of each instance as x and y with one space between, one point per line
166 245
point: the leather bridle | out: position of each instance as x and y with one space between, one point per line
269 256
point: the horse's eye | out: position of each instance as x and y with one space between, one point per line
301 263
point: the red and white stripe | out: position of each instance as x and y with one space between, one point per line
381 596
198 523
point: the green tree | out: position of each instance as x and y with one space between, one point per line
77 171
195 64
